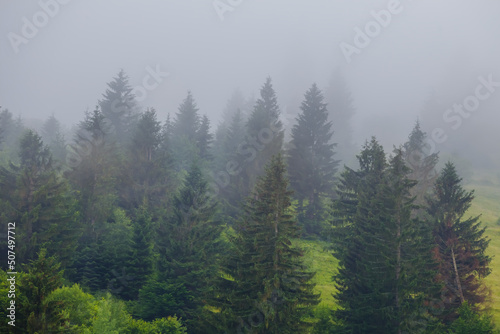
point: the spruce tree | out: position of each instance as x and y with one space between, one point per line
93 173
146 174
12 129
264 133
233 194
266 287
385 267
38 313
52 135
460 244
421 162
119 109
141 256
311 159
204 139
233 107
39 201
185 133
189 245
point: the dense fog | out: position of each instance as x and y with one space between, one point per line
59 62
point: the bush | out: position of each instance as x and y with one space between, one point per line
469 321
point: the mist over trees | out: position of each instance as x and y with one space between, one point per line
177 226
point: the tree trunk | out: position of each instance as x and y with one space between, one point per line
457 278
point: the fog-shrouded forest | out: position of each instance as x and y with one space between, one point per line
232 166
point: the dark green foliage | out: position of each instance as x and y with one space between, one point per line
187 119
170 325
89 267
157 298
311 163
325 324
460 244
93 174
147 174
229 161
39 313
470 321
184 136
266 287
385 266
264 134
189 245
140 261
104 263
39 202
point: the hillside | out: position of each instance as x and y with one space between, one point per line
486 204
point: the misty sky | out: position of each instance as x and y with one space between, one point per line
429 46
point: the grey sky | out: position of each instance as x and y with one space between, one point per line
440 46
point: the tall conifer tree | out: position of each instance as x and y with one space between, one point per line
265 132
311 159
185 133
189 245
119 109
421 162
39 202
267 288
460 244
385 265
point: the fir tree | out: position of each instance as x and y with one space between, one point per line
266 286
204 139
52 135
236 102
185 133
230 162
93 162
141 257
421 163
385 267
38 313
460 244
11 130
311 163
147 170
264 133
39 202
189 244
119 109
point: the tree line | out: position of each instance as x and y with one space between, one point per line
134 225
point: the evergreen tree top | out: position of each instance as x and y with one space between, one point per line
450 194
148 130
34 155
118 104
266 111
372 157
187 120
118 87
